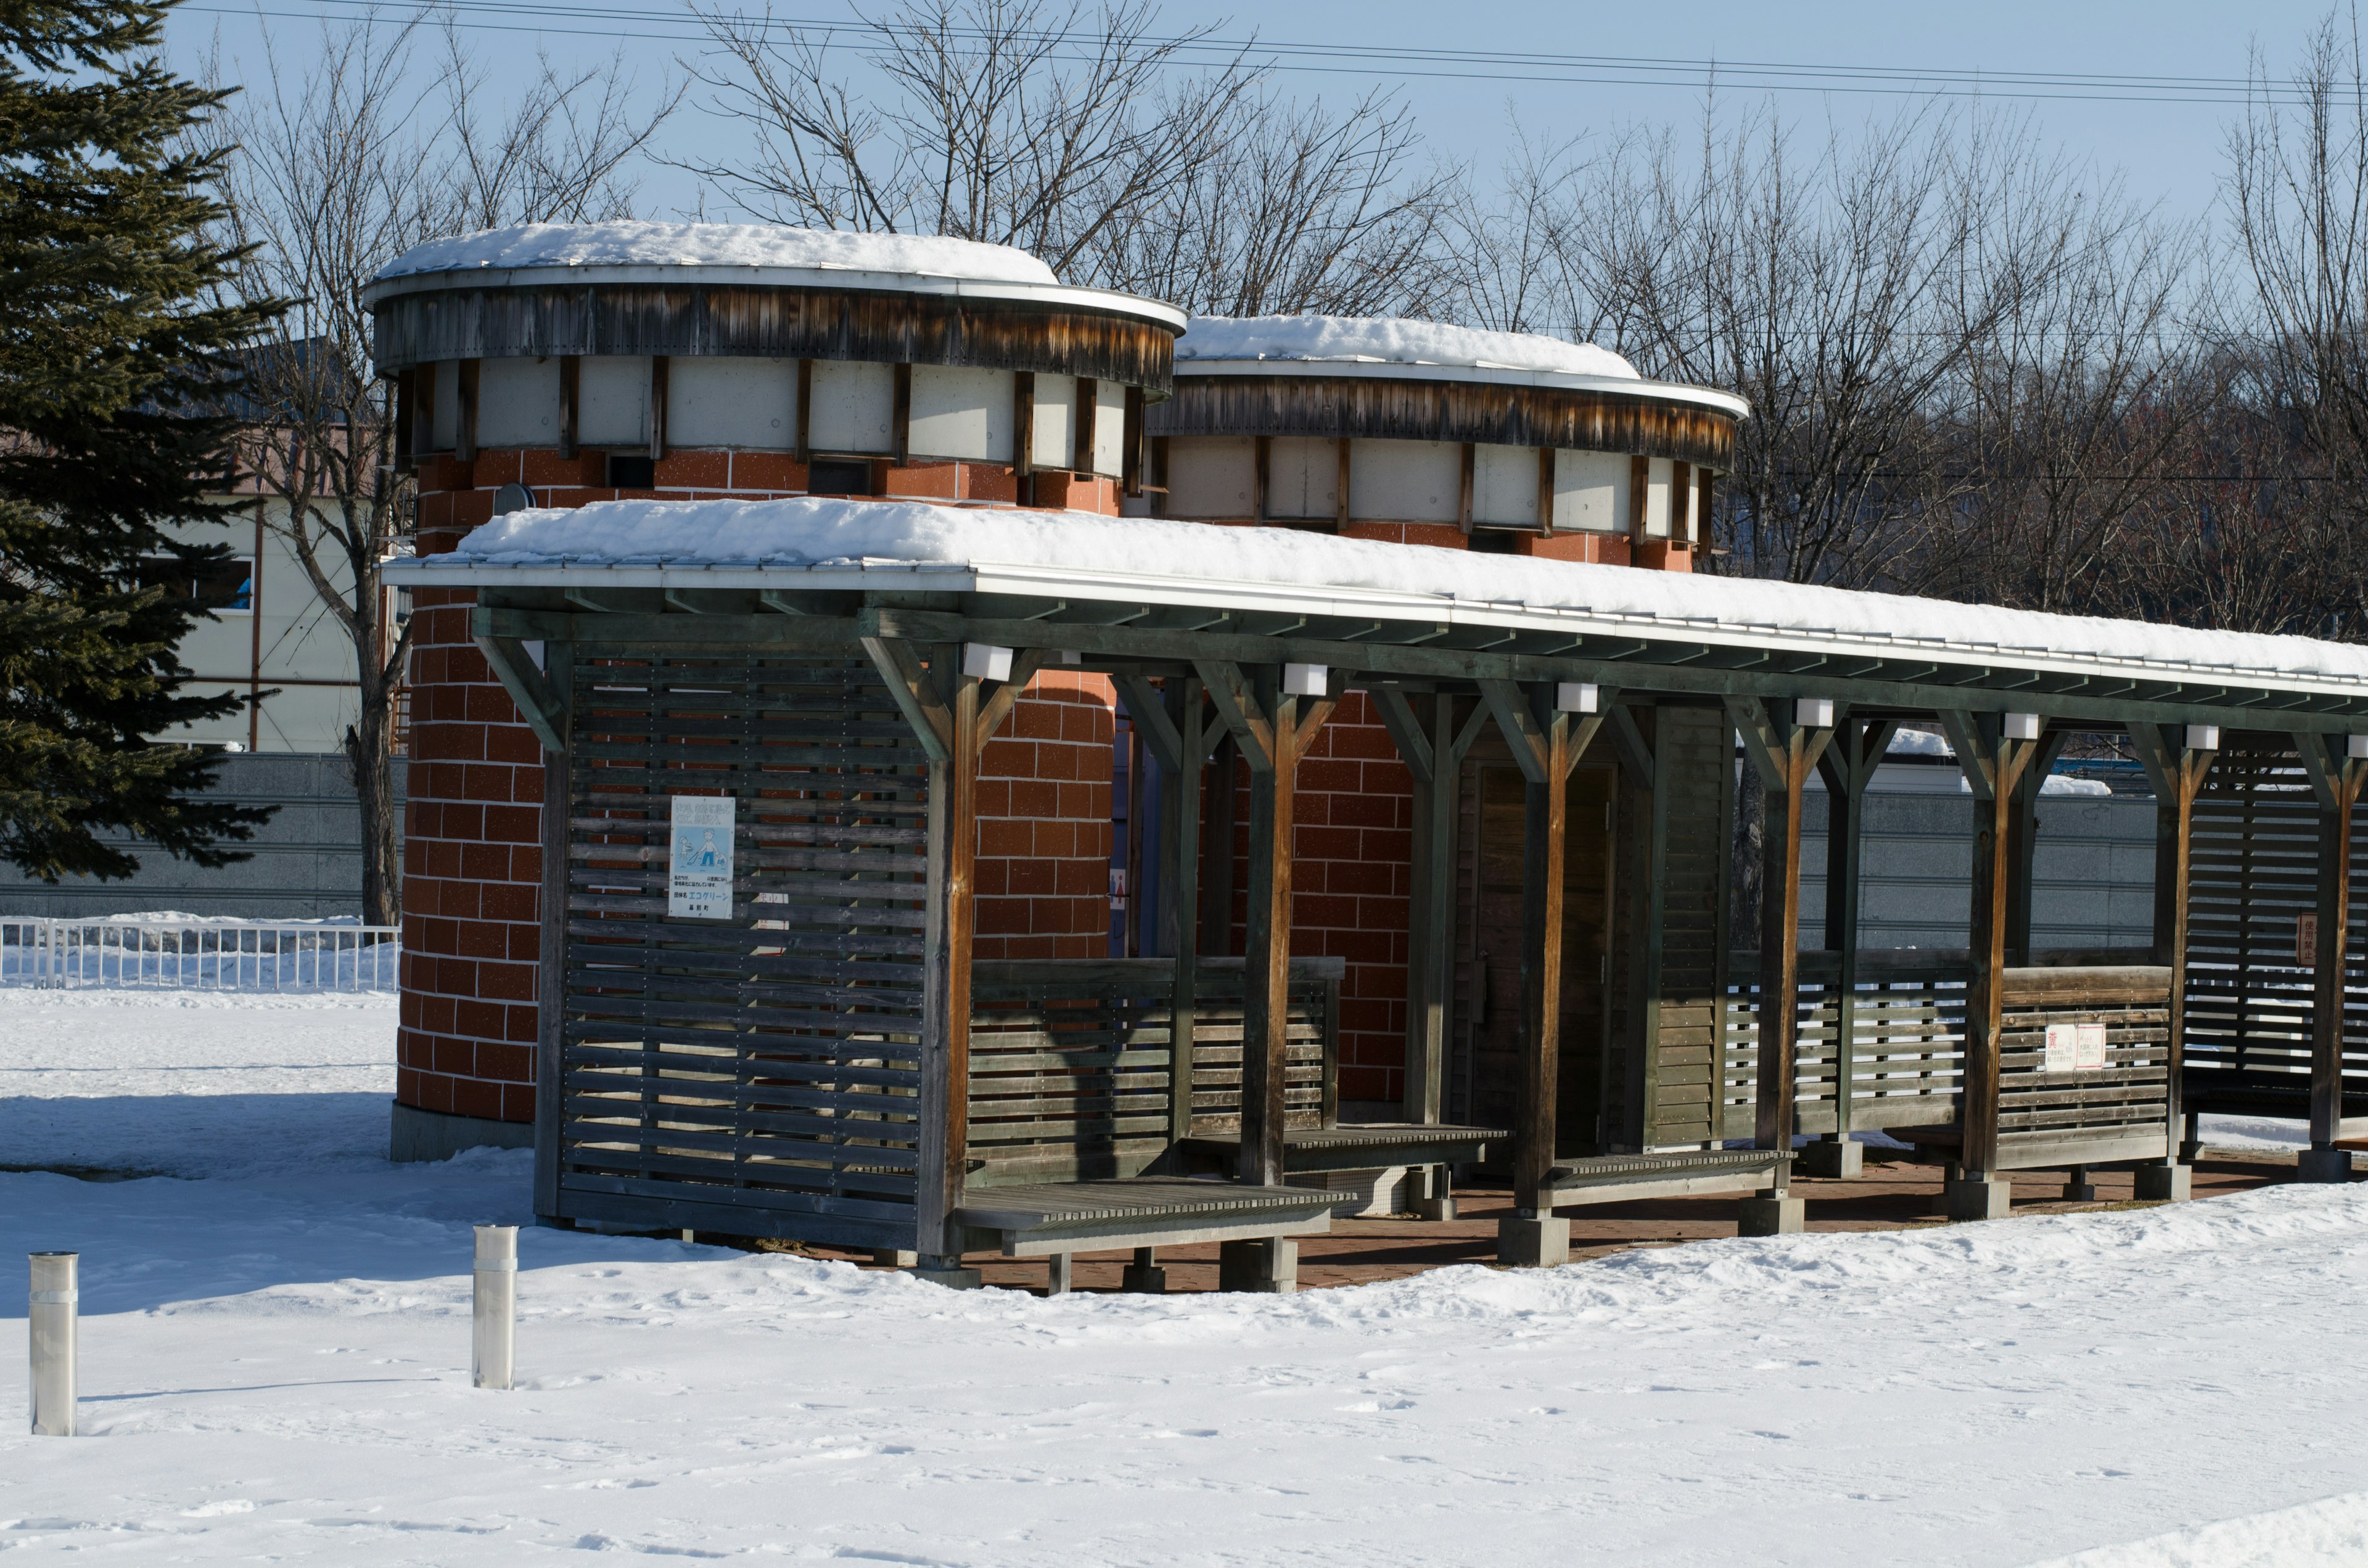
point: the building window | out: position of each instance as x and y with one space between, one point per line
632 474
838 476
1493 541
227 585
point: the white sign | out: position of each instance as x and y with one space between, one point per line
2075 1048
698 857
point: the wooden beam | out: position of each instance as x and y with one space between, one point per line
464 411
1261 459
571 398
997 708
1545 492
1529 742
806 413
1181 807
2187 769
2022 851
1131 445
1966 740
661 378
1463 505
1253 730
1544 842
1681 499
915 693
900 417
1023 425
1397 716
2336 779
942 1158
1217 851
1779 939
1640 493
1149 714
1341 486
1999 764
1088 404
536 701
551 968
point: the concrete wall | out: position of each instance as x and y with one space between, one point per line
306 860
2093 869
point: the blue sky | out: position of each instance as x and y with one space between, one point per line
2166 142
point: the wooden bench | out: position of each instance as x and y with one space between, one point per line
1365 1146
1055 1220
1693 1172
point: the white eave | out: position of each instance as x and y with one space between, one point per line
1492 375
823 277
1369 604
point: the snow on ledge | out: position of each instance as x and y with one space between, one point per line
815 531
1383 340
641 243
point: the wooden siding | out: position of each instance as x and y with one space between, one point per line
1694 750
771 322
1445 411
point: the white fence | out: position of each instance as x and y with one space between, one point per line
205 955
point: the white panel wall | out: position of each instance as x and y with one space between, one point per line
1056 421
854 407
1656 499
961 413
1303 477
1591 491
518 402
446 419
1405 482
1208 476
1109 428
1505 485
748 405
612 400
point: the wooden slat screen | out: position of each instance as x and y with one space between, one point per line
1909 1056
1069 1061
755 1075
2254 873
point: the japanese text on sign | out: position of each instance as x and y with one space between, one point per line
698 857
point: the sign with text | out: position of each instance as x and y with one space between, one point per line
2307 941
699 858
2075 1048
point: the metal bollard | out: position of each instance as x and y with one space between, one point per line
493 1308
53 1305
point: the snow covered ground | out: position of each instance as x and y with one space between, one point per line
276 1344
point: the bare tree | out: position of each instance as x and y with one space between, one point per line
342 163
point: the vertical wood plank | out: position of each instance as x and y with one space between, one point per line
2189 782
551 977
2327 976
1682 486
1217 852
1131 445
1463 504
1545 824
1779 951
1430 965
1984 1000
1341 486
1261 454
571 399
1023 424
900 417
1266 951
1088 403
806 411
464 423
661 378
1183 899
944 1100
1640 488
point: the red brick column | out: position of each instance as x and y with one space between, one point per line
1045 823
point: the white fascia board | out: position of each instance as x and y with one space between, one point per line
1492 375
1369 604
778 277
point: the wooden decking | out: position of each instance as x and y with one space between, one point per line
1894 1194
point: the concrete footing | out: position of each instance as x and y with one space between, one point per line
1429 1196
946 1271
2165 1184
1534 1242
1267 1266
1990 1198
2323 1164
2077 1188
1143 1279
1842 1157
415 1135
889 1258
1770 1215
1058 1274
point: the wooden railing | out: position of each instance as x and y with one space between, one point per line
1070 1061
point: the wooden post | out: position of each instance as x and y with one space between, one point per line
1545 492
943 707
900 415
1341 486
661 376
1782 752
806 413
2336 779
1023 425
1640 493
1993 766
571 398
551 980
2177 774
1436 761
1131 458
1217 851
1272 729
2023 844
464 413
1848 767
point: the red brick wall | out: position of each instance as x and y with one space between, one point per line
472 857
1045 823
1352 847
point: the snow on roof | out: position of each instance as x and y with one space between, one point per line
1386 341
832 532
639 243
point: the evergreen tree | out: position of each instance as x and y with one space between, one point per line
117 361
